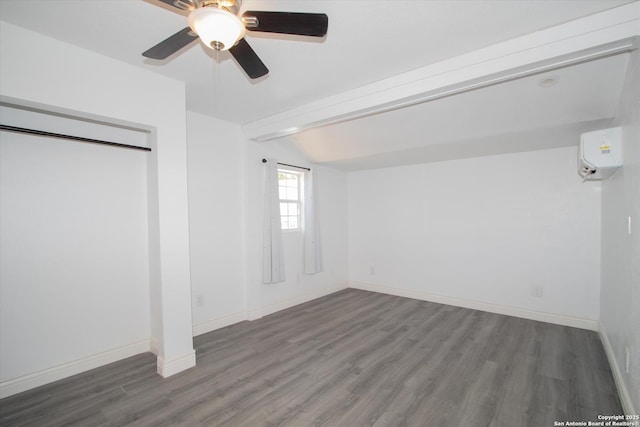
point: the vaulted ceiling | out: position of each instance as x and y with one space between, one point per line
368 41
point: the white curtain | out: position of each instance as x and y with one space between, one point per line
272 253
312 246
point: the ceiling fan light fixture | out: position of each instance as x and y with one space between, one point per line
217 28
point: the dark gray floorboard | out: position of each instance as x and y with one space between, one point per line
354 358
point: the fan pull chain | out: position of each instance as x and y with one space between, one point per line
216 89
216 78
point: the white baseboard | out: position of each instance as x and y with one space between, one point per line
166 368
623 391
254 314
231 319
46 376
220 322
575 322
290 302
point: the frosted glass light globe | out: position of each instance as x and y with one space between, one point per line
217 28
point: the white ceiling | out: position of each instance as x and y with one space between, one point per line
367 41
519 115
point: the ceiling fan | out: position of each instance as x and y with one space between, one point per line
217 24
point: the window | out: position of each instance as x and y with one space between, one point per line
289 186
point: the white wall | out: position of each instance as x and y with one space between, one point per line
481 233
226 271
59 77
226 183
75 262
332 201
620 297
216 222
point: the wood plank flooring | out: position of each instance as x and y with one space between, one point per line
353 358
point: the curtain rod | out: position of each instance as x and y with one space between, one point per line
291 166
71 137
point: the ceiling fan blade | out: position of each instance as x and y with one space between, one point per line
171 45
248 60
304 24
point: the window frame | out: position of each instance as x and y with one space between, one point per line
299 202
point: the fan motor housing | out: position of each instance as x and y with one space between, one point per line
230 5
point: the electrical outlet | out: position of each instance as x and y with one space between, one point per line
372 270
537 291
200 300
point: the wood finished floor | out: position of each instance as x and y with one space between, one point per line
353 358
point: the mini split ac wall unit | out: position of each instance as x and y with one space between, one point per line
600 153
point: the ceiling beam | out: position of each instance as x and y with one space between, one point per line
603 34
